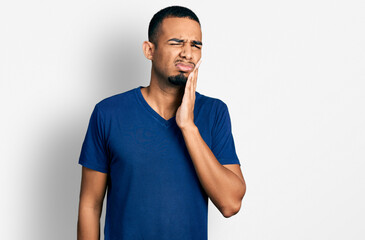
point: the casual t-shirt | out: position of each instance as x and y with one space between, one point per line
153 190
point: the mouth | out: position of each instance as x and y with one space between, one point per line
184 67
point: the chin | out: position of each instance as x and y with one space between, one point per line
179 79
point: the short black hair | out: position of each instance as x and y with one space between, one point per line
172 11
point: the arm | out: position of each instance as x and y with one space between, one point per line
93 187
224 185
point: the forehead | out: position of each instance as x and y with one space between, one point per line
180 28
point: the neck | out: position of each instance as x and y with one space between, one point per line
163 97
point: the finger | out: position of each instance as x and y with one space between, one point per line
190 74
193 83
195 80
196 67
196 73
189 81
198 64
193 77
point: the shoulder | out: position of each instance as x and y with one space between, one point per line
215 104
113 103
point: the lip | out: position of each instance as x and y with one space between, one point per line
184 67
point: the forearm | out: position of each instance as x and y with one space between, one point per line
224 187
88 225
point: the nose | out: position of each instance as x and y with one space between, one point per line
186 51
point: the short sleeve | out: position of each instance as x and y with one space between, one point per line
93 152
223 146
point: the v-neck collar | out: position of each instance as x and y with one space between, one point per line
157 116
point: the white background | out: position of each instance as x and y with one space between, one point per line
291 73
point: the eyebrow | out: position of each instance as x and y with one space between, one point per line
180 40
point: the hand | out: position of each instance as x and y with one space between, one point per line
185 113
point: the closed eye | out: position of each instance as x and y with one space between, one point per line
194 45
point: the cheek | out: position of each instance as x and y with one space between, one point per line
198 53
166 58
165 62
169 59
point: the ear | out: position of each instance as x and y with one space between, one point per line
148 49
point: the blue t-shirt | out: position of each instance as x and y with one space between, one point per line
153 190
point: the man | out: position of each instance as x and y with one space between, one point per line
161 150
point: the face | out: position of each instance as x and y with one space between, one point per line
179 47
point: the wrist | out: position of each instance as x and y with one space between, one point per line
189 128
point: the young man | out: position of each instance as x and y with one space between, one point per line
160 150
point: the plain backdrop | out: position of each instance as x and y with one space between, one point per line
292 75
